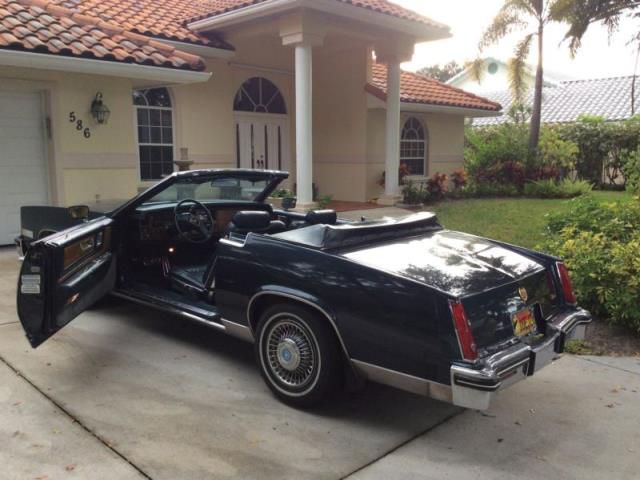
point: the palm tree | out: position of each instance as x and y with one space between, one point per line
521 15
580 14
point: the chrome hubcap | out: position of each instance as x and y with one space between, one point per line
290 354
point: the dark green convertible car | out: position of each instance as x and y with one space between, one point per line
402 302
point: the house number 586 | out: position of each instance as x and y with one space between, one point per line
86 131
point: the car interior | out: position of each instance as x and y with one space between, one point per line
171 241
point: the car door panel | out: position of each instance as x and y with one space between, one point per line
63 275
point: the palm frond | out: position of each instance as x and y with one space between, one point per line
517 68
476 70
504 23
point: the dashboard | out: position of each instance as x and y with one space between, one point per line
156 223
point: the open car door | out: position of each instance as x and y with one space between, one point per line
64 274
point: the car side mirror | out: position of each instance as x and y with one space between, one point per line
288 203
79 212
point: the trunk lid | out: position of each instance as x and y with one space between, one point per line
494 283
452 262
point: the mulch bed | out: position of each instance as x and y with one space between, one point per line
610 340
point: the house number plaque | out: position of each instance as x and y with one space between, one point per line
79 124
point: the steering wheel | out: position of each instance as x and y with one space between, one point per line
195 224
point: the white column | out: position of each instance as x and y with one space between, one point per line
392 153
304 124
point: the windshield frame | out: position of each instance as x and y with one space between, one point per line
275 177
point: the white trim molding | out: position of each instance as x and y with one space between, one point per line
422 31
374 102
46 61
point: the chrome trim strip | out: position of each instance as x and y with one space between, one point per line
172 310
302 300
232 243
403 381
239 331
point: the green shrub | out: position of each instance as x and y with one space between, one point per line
550 188
556 152
413 193
600 244
632 170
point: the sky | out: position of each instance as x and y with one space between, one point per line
597 58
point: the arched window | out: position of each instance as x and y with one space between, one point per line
413 146
259 95
155 132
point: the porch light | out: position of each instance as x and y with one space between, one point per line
99 110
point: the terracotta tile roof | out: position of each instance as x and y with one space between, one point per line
157 18
415 88
40 26
217 7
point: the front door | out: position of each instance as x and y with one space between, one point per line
262 141
63 275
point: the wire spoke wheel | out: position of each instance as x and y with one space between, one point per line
291 353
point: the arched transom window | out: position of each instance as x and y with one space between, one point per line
413 146
155 132
259 95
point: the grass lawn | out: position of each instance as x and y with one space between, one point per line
520 221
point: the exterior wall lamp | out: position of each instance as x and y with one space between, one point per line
99 111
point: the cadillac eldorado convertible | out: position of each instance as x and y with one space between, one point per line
402 302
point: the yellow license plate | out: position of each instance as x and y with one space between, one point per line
524 322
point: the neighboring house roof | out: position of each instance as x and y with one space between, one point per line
218 7
415 88
40 26
609 98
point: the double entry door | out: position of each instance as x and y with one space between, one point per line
262 141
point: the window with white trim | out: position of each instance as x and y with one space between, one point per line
154 114
413 146
259 95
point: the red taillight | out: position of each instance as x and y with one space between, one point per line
565 283
463 330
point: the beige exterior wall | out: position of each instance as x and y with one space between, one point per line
445 146
348 136
79 167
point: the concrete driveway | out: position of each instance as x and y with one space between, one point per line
126 392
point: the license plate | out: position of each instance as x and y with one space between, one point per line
524 322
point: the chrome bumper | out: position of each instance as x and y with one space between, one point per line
475 386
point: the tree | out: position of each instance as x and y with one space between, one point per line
520 15
442 72
580 14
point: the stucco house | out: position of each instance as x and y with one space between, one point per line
310 86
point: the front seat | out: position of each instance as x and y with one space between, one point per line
251 221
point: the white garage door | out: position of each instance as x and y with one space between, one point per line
23 169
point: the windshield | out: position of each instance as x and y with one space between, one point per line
228 189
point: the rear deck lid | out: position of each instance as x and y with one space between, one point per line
452 262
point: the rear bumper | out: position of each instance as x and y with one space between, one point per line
475 386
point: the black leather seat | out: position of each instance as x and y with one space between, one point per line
250 221
321 217
317 217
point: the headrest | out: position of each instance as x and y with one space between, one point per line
324 217
251 219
